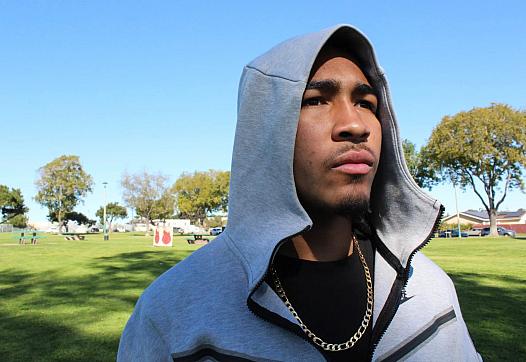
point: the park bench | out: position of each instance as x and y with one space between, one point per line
198 239
24 236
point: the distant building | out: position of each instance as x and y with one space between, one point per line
42 225
185 226
514 220
52 227
6 228
180 224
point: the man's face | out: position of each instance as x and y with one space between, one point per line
339 138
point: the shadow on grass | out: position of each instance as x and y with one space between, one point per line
29 338
493 308
56 316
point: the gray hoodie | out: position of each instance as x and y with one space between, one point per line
215 304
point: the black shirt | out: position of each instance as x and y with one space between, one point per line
330 298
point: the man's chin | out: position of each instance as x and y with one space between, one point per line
354 206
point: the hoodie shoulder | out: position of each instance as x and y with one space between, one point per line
194 276
429 320
193 295
425 268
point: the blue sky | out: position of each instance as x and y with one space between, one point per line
132 86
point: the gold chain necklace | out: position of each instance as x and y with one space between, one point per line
317 340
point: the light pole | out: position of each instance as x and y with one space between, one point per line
458 214
106 236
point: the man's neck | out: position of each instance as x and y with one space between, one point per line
329 239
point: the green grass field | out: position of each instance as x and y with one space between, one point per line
490 278
69 300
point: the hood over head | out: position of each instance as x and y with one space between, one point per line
263 205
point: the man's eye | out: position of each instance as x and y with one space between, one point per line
314 101
366 104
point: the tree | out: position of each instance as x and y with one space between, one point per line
61 185
143 192
12 207
202 193
419 166
164 208
78 217
482 146
113 211
213 221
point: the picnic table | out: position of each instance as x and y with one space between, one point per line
74 237
197 239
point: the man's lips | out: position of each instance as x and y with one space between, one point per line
354 162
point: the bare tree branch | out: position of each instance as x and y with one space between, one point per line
508 179
472 181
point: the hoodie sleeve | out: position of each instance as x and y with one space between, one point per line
141 340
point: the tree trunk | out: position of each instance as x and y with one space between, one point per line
493 222
147 226
59 211
59 218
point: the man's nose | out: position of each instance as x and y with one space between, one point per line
349 124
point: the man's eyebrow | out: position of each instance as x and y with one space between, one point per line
327 85
333 86
363 89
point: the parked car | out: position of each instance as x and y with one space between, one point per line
443 233
502 231
452 233
475 232
216 231
178 230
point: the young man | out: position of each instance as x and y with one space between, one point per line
320 257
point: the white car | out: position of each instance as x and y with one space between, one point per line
216 231
475 232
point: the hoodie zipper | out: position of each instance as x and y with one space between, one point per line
404 278
274 252
287 325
